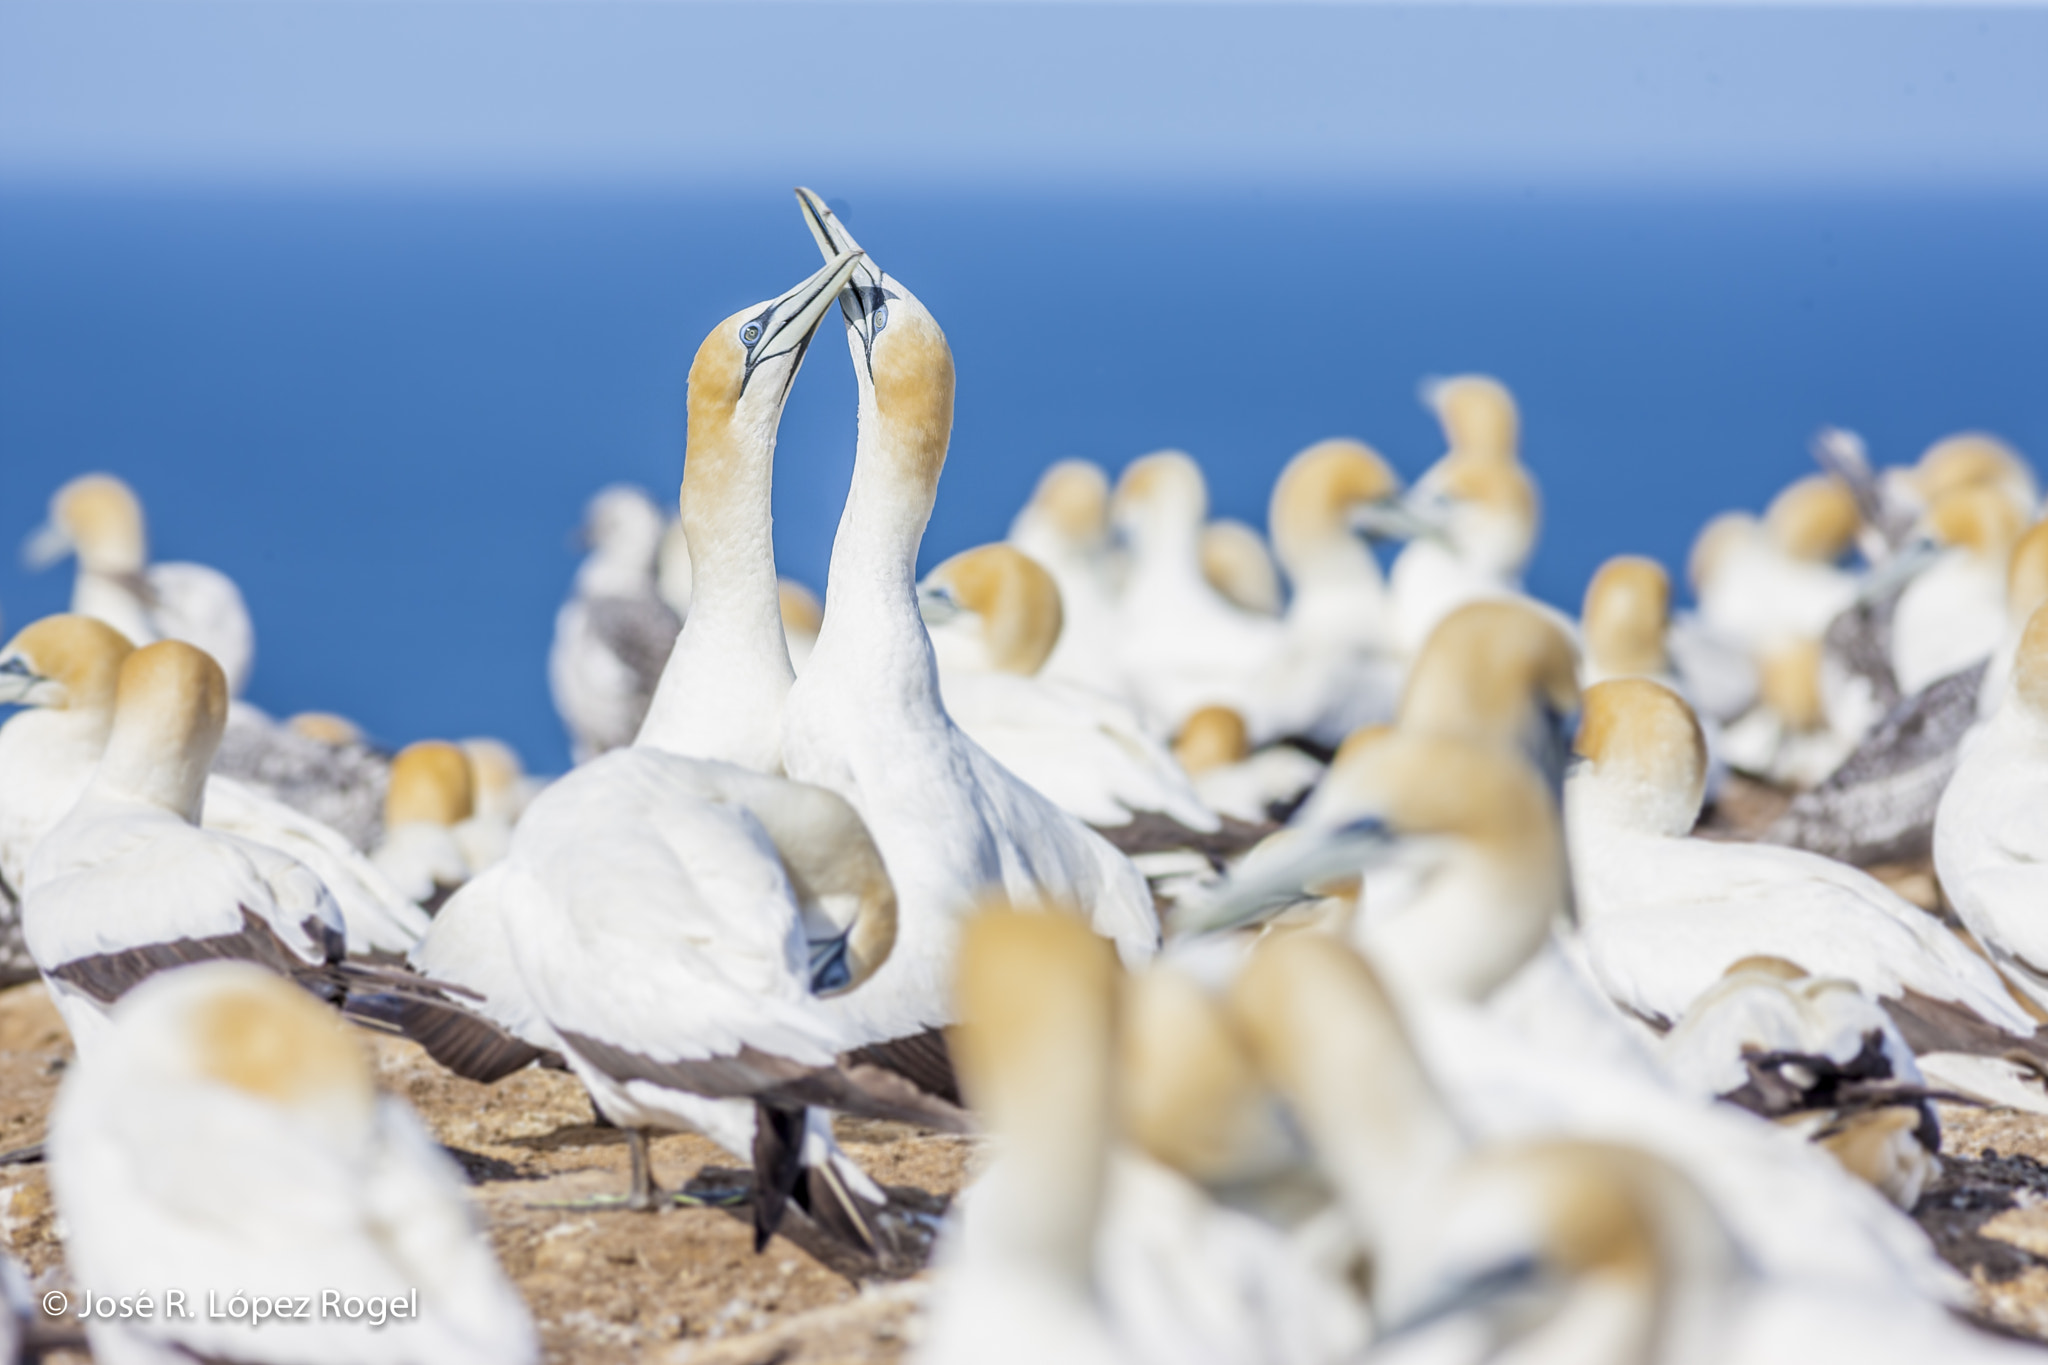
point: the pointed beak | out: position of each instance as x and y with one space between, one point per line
45 546
788 323
1904 565
865 303
936 604
1392 519
1261 887
17 680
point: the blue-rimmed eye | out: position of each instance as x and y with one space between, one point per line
750 333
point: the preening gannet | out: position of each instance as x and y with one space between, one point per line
866 719
1990 841
1339 667
98 518
226 1139
615 632
1663 915
432 793
66 667
1602 1253
1183 644
1215 751
1065 527
1952 614
1476 511
1237 564
721 694
128 883
994 615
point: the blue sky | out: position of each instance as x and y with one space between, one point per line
1307 96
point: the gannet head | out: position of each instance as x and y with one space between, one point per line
741 379
99 517
1236 564
64 662
1487 509
1645 760
432 784
240 1030
1520 1230
1718 543
1814 519
326 727
622 522
1499 672
1478 416
802 613
1980 518
497 777
848 899
1070 506
1319 497
1161 498
1789 683
1036 993
1213 737
1002 599
1626 612
170 709
2026 574
2030 667
1323 1032
1973 457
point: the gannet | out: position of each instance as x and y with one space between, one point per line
1183 645
1065 527
128 884
326 769
1237 564
99 518
1501 672
1818 1053
615 632
1964 459
2026 587
66 668
1990 855
432 793
1663 915
501 790
1339 667
1623 620
994 615
227 1140
866 719
1476 511
1214 749
721 693
1601 1253
1952 614
1761 584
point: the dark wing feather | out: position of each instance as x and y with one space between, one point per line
923 1059
639 631
106 977
435 1015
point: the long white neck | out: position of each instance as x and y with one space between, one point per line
721 694
155 759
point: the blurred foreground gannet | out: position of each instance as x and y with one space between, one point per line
99 518
226 1142
615 632
1065 528
128 883
994 615
866 719
67 668
1663 915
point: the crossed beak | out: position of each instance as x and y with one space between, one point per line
788 323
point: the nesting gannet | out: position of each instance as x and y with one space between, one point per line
994 614
66 667
1214 749
1237 564
1818 1053
1339 667
1663 915
1476 511
99 518
615 632
128 883
721 693
324 767
1065 527
227 1143
866 719
1952 614
1602 1253
1989 850
432 793
1183 645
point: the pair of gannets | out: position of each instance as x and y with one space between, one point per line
98 518
994 616
225 1141
71 672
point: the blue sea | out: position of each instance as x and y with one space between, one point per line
381 411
